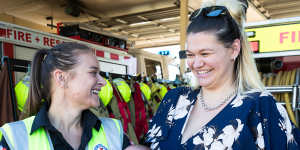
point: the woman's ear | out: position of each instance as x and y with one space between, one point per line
236 47
59 77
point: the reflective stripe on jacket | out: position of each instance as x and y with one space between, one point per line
17 136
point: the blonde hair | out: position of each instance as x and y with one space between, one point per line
246 73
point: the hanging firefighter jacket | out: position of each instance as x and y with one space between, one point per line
155 96
112 106
22 91
141 125
131 103
145 90
122 93
163 91
146 96
123 88
6 111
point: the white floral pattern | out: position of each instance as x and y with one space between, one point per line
181 107
260 139
171 114
265 93
197 140
230 134
285 124
155 131
223 141
238 101
244 117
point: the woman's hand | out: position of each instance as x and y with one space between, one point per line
137 147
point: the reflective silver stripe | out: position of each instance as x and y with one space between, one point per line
5 136
19 135
113 136
49 139
121 132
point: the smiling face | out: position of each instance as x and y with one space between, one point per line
84 82
210 61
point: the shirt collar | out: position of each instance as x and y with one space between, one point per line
88 121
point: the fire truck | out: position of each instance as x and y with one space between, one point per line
21 43
276 47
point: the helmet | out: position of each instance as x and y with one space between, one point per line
123 88
106 93
22 92
163 91
146 90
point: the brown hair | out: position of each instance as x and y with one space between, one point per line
62 56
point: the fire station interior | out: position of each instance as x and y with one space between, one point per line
130 26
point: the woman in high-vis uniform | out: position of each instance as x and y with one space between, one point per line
65 82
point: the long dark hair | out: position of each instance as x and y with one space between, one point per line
62 56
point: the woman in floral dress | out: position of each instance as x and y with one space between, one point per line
227 106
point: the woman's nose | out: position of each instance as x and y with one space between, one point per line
101 82
198 62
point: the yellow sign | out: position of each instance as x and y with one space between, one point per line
276 38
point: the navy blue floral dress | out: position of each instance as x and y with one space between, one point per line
252 120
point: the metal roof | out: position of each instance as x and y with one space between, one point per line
144 23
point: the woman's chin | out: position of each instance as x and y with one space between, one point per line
96 103
204 83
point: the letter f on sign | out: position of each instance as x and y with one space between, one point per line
282 36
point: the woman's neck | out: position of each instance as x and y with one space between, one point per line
63 116
214 95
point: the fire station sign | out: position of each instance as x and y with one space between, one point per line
23 36
280 37
36 39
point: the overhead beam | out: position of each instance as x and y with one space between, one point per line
143 31
286 14
149 27
285 11
155 35
285 5
147 24
157 43
260 7
157 24
276 2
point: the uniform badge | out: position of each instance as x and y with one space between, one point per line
2 148
100 147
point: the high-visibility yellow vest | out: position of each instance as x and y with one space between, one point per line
17 136
22 92
163 91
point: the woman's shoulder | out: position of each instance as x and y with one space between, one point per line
258 96
174 95
180 90
253 99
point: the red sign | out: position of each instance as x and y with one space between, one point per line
254 46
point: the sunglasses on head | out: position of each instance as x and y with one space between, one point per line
213 11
